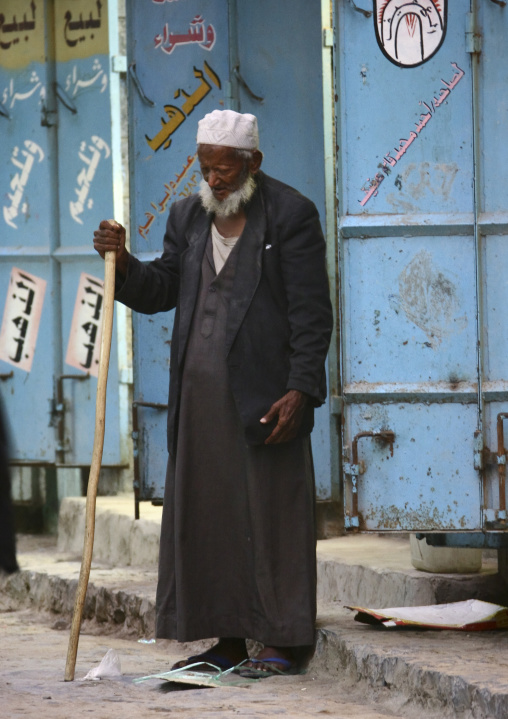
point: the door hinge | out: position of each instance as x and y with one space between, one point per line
336 405
119 63
49 118
473 37
327 37
125 375
494 519
478 450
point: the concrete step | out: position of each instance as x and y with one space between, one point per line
461 674
376 571
366 570
119 598
119 538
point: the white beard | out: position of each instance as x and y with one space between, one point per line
230 204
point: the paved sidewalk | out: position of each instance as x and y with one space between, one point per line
32 660
414 672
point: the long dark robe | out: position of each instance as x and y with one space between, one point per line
237 552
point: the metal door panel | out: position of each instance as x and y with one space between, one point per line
84 122
495 418
49 155
413 323
494 382
79 386
493 104
151 453
25 172
429 481
170 90
409 268
175 79
495 300
164 167
24 151
152 344
290 81
492 219
382 107
85 198
28 395
285 69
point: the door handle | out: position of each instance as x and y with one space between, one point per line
135 439
237 74
5 112
58 413
356 468
65 99
137 85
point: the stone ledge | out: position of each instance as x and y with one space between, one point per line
111 610
119 538
457 673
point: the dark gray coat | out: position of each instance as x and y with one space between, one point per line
280 315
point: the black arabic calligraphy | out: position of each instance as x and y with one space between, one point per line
20 322
16 26
91 327
72 26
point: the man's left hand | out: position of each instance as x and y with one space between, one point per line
289 410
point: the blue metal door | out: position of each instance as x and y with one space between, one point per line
490 115
418 118
187 59
85 196
178 64
56 178
277 75
26 352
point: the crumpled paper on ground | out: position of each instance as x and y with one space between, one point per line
107 669
471 615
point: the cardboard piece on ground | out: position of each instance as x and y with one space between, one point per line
471 615
218 678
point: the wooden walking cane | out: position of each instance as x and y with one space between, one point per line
93 479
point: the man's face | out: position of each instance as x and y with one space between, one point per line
222 169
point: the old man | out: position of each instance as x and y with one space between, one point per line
244 266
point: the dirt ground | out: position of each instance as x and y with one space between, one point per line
33 649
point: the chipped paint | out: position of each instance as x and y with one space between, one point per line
429 299
419 180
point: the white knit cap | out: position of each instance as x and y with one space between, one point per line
229 128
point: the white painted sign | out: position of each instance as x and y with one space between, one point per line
21 320
83 349
410 33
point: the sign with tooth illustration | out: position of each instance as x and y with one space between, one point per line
410 33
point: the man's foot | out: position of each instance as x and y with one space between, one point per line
226 654
269 662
